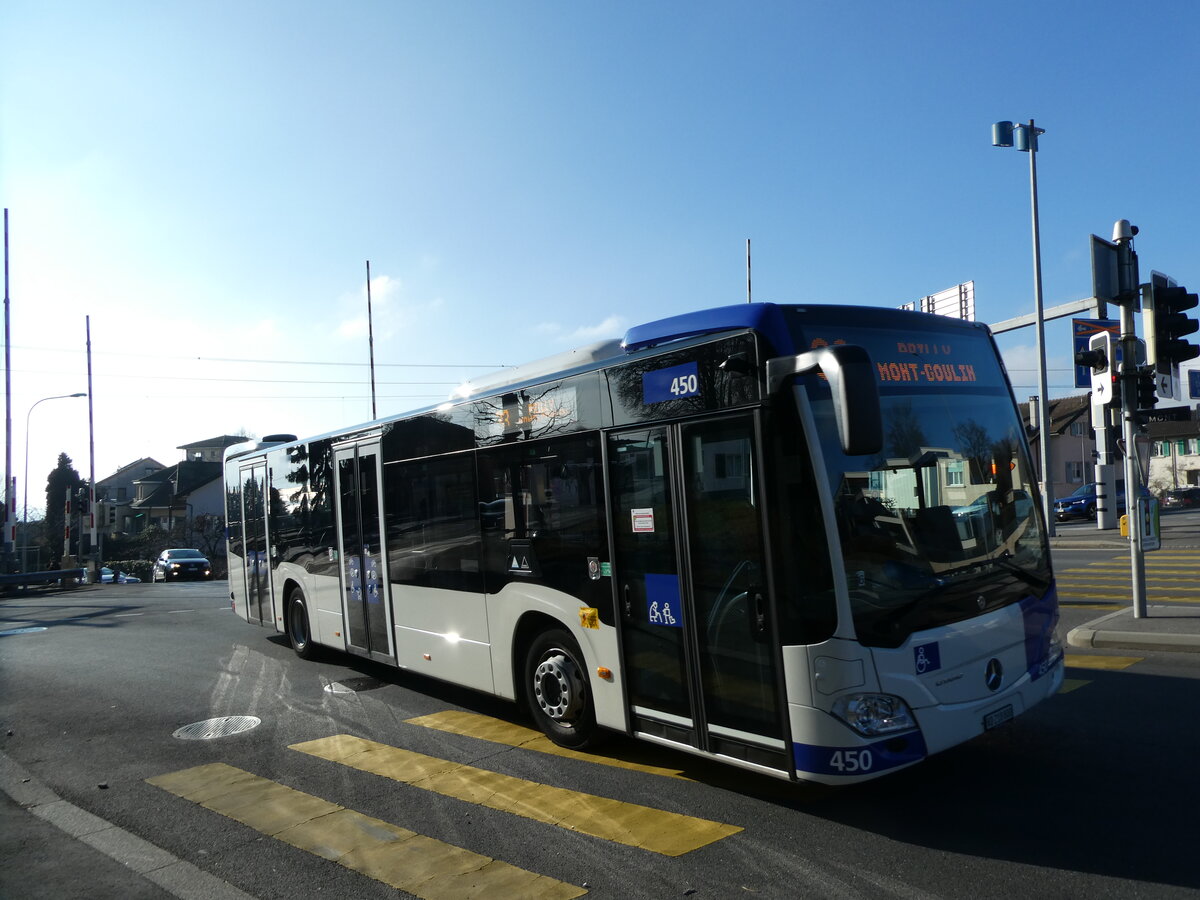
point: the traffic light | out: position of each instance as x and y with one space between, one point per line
1101 358
1166 324
1147 395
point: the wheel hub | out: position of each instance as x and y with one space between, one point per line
558 687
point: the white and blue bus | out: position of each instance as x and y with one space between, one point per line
803 540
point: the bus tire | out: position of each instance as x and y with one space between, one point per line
298 631
556 689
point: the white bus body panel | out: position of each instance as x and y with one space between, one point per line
237 586
965 671
445 655
950 696
443 634
325 617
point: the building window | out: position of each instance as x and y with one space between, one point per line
1181 447
1074 472
1079 429
954 474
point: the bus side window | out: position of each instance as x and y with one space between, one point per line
541 507
432 523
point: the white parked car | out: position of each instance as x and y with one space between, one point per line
106 577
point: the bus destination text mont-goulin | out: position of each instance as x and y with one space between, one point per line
924 371
928 372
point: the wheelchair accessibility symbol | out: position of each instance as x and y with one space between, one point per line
926 658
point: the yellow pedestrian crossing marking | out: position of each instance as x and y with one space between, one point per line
671 834
420 865
1072 684
1096 661
486 728
1172 577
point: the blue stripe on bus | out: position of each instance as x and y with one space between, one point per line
1041 618
888 753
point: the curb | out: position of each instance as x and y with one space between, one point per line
143 859
1093 635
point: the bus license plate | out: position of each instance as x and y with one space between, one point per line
999 717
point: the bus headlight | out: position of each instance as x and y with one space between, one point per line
874 714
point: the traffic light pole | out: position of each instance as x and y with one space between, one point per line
1127 271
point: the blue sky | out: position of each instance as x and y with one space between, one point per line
207 180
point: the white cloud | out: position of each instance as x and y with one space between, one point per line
384 315
612 327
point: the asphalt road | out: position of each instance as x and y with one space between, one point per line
1093 794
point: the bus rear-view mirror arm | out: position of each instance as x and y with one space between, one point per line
851 377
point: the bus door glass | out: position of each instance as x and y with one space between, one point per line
692 589
360 549
254 536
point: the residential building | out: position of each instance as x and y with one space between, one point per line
1174 454
180 493
1174 445
115 493
1072 443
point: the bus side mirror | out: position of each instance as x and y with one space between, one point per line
851 377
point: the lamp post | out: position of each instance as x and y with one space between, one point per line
25 510
1026 140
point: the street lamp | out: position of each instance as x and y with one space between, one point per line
1026 140
25 511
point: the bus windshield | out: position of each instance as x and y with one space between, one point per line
942 524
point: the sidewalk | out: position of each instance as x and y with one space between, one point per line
1175 627
1163 628
53 849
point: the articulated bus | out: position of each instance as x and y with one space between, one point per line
803 540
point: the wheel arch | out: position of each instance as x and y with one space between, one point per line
528 627
285 593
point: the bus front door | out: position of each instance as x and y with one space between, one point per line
257 568
360 549
689 569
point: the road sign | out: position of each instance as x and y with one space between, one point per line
1105 281
1081 333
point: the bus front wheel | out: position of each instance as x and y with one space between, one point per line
556 688
299 634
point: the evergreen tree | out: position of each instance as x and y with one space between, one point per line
63 477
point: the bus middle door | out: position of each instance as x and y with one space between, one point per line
692 591
360 549
257 566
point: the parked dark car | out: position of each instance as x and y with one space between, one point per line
179 564
1082 503
1181 498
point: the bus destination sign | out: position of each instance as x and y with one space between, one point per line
915 362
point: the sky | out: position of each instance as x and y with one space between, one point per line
202 185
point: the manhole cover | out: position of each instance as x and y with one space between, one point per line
217 728
29 630
353 685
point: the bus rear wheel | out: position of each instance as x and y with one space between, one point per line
556 688
299 634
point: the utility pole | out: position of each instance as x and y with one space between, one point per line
10 493
1130 294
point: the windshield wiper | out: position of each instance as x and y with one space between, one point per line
978 569
1005 562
